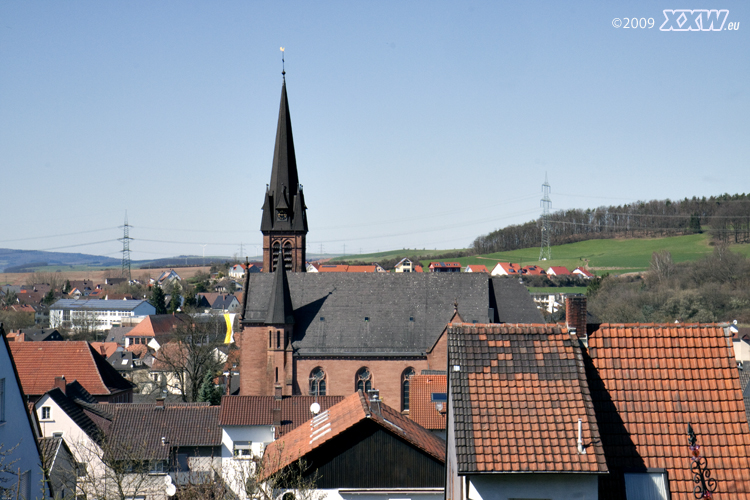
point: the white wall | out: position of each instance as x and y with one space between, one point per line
389 494
548 486
15 430
236 470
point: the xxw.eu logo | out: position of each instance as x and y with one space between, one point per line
694 20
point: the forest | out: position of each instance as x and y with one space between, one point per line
715 288
726 217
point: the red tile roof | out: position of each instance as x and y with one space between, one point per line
257 410
106 349
558 271
341 417
533 271
582 271
517 393
649 381
477 268
157 324
422 409
508 267
40 362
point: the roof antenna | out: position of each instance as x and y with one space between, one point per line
283 71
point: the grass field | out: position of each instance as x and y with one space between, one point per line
617 256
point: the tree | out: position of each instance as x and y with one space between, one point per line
190 353
208 392
175 301
49 298
157 300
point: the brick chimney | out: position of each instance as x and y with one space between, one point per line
575 316
276 414
160 403
60 383
277 392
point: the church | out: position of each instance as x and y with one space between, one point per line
334 333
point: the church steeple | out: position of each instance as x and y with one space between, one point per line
284 221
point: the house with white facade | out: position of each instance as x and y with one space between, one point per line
95 314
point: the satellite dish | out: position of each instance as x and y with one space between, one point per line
171 490
315 408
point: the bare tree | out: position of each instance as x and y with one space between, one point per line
191 353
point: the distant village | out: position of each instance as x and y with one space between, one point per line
291 380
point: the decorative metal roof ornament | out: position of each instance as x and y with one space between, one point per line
705 485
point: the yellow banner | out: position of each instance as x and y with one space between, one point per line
229 318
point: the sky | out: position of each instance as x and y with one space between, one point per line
417 124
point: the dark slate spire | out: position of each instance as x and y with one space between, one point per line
280 311
284 208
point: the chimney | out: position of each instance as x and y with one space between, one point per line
160 403
575 316
277 392
374 395
276 413
60 383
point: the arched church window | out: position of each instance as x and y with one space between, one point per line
317 382
405 386
363 380
288 256
275 250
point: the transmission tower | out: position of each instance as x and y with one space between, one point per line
126 247
545 253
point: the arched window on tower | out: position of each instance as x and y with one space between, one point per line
317 382
275 250
405 386
363 380
288 256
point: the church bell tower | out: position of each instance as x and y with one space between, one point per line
284 222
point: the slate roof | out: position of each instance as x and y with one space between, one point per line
140 427
40 362
422 408
257 410
514 303
648 381
48 447
117 334
284 191
329 424
382 314
517 392
76 409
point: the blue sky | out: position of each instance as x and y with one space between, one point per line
417 124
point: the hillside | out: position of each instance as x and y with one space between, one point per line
27 260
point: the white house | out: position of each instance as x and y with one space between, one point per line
404 266
18 440
95 314
506 269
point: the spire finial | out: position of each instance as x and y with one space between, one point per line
283 71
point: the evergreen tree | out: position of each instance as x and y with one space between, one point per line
190 300
49 298
157 300
175 301
66 286
208 392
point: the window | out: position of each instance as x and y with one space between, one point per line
275 251
646 485
80 469
243 449
46 413
288 256
405 382
363 380
57 434
318 382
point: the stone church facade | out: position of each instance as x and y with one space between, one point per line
335 333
